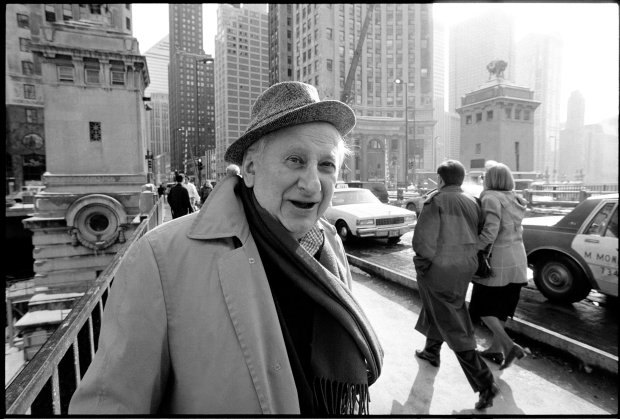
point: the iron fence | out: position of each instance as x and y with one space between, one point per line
46 384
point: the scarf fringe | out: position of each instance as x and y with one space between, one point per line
340 398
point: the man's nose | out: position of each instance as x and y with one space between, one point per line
309 179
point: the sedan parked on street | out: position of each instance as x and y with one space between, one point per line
358 213
573 254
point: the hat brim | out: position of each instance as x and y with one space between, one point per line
335 112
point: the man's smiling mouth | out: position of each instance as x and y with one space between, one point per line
303 205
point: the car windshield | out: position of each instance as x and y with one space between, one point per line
354 196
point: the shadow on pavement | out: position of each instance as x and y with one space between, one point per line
421 393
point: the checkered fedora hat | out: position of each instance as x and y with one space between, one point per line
286 104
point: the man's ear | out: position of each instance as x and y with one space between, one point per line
248 168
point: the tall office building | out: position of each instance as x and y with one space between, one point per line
441 134
539 67
192 111
24 117
158 120
397 45
242 71
280 42
571 145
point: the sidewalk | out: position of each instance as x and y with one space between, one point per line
411 386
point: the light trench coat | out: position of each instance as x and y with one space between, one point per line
190 326
503 214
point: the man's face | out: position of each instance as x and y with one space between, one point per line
295 175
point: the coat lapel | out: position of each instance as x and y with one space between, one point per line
252 311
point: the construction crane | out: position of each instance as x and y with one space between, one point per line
345 95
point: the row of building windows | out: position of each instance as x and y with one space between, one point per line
490 115
92 74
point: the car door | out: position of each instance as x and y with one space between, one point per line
597 244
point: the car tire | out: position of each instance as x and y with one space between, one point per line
393 240
343 231
411 207
560 279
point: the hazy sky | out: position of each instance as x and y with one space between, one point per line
589 32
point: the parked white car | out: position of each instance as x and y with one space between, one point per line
358 213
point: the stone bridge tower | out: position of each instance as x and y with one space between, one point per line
93 81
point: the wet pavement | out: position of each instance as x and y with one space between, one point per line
536 385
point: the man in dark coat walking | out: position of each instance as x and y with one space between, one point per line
445 260
178 198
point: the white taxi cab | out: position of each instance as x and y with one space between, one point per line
357 213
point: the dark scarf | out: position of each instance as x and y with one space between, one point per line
345 356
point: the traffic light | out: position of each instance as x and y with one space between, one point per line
200 165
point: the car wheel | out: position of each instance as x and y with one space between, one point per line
393 240
343 231
560 279
411 207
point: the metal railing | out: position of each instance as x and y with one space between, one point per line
46 384
568 196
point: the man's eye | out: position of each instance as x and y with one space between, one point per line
295 159
329 164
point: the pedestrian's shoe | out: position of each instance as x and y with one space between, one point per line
495 357
428 356
486 397
517 352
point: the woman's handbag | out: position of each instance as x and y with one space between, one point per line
484 263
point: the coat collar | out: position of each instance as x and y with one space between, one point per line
222 214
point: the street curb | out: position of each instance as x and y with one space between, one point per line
587 354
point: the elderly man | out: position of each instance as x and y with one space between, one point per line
445 260
244 307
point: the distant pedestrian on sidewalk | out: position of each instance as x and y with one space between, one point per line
205 190
445 260
494 299
178 199
161 191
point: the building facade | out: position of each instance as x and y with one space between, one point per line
497 123
539 67
92 81
25 158
242 71
398 44
280 42
191 90
158 117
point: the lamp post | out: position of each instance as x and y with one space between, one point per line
203 60
406 85
149 160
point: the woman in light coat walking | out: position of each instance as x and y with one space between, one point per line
494 299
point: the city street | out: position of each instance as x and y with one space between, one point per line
536 385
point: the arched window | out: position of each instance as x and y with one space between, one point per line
375 145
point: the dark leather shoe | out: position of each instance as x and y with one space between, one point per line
495 357
516 352
426 355
487 396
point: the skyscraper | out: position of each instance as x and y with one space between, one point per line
158 120
280 42
241 56
396 45
539 67
190 88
